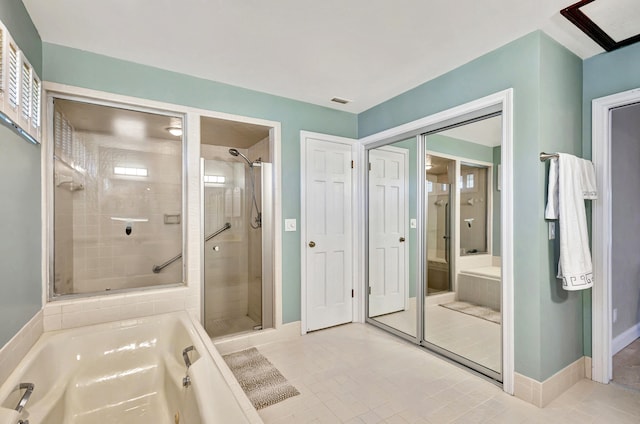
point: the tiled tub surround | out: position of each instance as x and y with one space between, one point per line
103 256
480 286
126 371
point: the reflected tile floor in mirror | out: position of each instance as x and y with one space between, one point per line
356 373
474 338
626 366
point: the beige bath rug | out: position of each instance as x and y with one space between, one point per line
261 381
475 310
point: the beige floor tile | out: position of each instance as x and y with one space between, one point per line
358 374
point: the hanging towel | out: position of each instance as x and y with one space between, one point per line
571 180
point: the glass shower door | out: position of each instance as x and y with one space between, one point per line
438 210
232 267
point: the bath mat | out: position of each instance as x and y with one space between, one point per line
261 381
474 310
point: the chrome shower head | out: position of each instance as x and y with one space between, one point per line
235 152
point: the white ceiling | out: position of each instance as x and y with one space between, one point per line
487 132
364 50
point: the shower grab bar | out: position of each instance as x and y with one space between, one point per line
222 229
158 268
28 387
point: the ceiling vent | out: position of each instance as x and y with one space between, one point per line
340 100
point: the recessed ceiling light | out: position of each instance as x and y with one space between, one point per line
175 131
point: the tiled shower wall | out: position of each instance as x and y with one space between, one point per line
104 256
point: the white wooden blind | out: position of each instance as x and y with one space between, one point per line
36 101
20 88
25 92
13 76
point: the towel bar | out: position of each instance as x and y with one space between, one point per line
546 156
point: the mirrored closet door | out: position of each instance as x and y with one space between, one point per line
433 237
462 312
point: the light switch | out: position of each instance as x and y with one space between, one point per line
290 225
413 223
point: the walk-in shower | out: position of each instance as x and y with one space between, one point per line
117 195
236 214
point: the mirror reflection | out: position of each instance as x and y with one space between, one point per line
462 278
463 284
392 268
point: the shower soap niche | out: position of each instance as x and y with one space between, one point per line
172 218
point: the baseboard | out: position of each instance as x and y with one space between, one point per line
245 341
15 349
541 394
588 364
625 339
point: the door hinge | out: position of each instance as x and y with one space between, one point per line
352 293
369 166
369 289
353 165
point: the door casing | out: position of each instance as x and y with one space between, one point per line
305 136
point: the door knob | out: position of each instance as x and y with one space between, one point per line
401 239
312 244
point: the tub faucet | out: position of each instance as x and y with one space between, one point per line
186 381
28 390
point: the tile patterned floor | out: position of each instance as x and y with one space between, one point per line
356 373
474 338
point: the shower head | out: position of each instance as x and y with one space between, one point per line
235 152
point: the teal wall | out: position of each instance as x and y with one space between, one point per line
20 237
14 16
464 149
83 69
20 240
560 131
603 75
539 352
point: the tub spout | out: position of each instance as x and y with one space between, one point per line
28 390
186 381
185 356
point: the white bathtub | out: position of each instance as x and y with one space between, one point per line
126 372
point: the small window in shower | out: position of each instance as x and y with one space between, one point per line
474 202
117 195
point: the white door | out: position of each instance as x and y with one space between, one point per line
388 231
327 233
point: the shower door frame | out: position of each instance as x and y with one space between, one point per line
267 283
275 152
498 102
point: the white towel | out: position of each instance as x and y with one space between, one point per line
571 180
